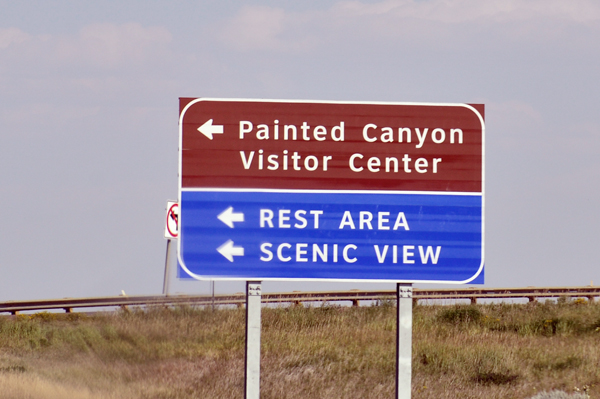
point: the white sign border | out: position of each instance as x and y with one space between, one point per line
221 278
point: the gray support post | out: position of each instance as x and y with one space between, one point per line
252 372
404 341
166 279
212 292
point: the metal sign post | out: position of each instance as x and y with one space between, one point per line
252 369
404 341
212 293
166 279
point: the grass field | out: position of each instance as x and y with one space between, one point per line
480 351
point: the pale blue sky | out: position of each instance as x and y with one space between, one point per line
89 102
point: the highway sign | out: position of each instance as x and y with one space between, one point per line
331 190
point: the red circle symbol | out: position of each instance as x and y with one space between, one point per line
173 220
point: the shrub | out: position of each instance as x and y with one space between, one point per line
13 369
493 378
461 315
563 300
571 362
43 316
386 302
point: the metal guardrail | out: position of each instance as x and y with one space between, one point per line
354 296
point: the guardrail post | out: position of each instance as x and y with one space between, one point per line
252 370
404 293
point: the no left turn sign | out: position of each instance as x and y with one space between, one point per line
172 220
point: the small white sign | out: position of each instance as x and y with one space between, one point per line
172 220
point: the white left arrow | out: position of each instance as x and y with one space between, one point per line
228 250
228 216
208 129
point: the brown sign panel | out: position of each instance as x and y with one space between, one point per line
272 144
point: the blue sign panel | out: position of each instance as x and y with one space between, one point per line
331 235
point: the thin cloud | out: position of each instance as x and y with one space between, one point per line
436 22
12 36
106 46
260 28
111 46
441 22
255 28
459 11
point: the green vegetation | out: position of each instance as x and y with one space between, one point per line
474 351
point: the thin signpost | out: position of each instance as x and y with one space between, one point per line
165 290
212 292
404 305
331 191
253 327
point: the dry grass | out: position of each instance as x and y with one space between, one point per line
486 351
